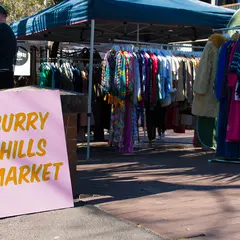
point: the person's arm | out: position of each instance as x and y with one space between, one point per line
15 53
15 58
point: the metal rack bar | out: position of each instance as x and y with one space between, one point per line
72 58
155 44
216 160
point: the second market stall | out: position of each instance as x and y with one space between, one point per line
103 21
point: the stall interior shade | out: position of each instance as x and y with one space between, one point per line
105 32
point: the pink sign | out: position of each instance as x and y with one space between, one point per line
34 171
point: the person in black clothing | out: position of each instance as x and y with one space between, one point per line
8 50
161 124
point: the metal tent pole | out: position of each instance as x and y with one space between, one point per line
90 88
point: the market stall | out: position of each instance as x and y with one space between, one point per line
147 21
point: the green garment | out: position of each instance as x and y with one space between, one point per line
206 132
45 75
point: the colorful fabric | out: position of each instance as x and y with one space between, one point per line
116 134
234 64
141 79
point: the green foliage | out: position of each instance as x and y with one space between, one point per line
19 9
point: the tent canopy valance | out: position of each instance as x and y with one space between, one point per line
160 20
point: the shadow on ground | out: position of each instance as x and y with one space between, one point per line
117 175
167 168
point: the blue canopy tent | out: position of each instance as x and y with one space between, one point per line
68 21
150 20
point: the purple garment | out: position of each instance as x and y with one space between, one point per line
128 141
143 73
143 78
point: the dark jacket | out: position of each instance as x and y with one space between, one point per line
8 47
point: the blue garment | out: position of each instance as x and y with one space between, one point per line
57 78
164 76
146 78
53 76
77 81
168 84
224 149
140 114
221 67
218 76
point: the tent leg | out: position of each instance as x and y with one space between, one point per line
90 88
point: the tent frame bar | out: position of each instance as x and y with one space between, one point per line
226 29
90 88
70 58
155 44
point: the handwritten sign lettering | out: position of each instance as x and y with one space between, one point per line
33 155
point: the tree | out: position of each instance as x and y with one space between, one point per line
19 9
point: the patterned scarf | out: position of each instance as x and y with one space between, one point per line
235 65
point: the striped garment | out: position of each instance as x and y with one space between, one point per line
235 67
235 64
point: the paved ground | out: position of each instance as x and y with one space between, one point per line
84 222
173 191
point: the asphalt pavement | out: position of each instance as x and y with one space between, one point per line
83 222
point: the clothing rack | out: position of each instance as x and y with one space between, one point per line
126 45
217 160
131 48
156 44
